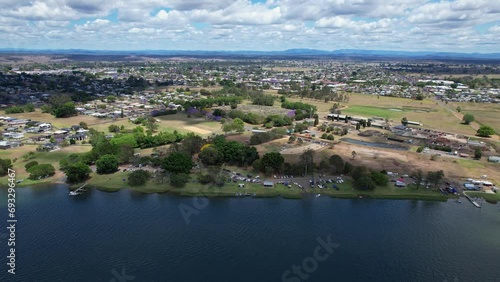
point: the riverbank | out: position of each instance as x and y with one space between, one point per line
115 182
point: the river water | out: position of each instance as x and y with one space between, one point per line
127 236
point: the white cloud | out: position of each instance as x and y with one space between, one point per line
242 24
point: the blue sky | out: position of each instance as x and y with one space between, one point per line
413 25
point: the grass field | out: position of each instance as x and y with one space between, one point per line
484 113
52 158
183 124
179 122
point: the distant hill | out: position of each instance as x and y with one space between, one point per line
298 53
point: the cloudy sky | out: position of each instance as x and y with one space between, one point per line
414 25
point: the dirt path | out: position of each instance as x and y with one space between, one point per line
459 116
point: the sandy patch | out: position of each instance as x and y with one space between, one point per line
197 130
302 149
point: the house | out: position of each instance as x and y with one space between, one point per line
47 147
78 136
45 126
494 159
4 145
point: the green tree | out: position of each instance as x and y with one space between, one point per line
379 178
404 121
5 165
107 164
29 108
211 156
83 125
337 164
114 128
41 171
364 183
459 109
478 153
66 110
110 99
178 162
354 154
30 164
274 161
419 177
138 177
191 144
151 124
179 179
77 172
125 153
238 125
46 109
435 178
468 118
485 131
307 161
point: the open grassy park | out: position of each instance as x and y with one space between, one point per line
484 114
427 111
116 181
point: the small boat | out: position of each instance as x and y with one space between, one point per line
73 193
458 201
317 195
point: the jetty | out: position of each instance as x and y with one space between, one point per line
472 200
79 190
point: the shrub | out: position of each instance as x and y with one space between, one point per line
107 164
41 171
77 172
30 164
179 179
138 177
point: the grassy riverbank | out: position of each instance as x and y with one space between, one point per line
115 182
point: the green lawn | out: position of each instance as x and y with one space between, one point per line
487 196
369 111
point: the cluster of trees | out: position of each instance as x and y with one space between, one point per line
221 151
235 125
38 171
5 165
302 110
210 102
138 177
365 179
277 121
250 118
263 100
20 109
137 138
264 137
327 136
60 106
485 131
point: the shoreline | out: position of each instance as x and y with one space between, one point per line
192 190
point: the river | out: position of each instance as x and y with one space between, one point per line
127 236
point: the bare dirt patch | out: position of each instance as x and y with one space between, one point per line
197 130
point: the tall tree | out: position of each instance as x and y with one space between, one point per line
468 118
178 162
273 161
419 177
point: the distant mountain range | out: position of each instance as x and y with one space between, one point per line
301 53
